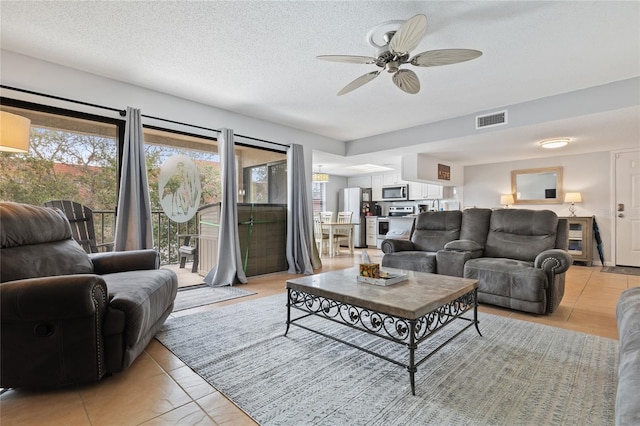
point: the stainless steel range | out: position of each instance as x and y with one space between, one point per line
400 211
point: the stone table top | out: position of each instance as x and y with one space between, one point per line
419 295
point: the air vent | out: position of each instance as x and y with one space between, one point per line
494 119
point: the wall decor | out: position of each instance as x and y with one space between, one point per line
444 172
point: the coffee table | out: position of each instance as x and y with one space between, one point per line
407 313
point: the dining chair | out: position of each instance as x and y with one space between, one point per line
326 216
321 238
343 232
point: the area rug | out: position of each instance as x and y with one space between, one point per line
519 373
626 270
194 296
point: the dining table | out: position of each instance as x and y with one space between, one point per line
331 227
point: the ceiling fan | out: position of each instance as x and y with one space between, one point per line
395 53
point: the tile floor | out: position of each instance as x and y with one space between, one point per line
158 389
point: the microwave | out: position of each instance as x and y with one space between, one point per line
395 193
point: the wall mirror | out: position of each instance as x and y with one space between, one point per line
537 186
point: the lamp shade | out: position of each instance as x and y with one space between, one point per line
320 177
506 199
14 132
572 197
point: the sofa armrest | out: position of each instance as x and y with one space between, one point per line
393 246
122 261
52 330
451 262
554 261
53 298
473 248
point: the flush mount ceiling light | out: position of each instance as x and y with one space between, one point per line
554 143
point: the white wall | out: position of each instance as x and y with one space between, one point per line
335 184
35 75
589 174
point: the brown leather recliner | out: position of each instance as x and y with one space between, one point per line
66 316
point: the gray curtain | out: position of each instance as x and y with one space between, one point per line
228 270
133 221
302 254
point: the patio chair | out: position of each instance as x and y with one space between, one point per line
189 250
82 225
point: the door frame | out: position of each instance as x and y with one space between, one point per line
612 204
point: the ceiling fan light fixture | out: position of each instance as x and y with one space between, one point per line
554 143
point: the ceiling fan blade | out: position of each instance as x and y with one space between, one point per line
408 35
407 81
360 81
348 58
434 58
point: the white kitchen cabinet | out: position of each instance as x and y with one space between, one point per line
359 181
416 190
433 192
425 191
376 187
372 230
392 179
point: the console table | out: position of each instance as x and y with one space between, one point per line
581 238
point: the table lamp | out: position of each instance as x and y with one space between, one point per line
506 199
572 197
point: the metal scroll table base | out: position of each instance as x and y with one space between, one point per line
409 332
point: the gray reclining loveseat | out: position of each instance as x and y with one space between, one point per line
68 317
519 256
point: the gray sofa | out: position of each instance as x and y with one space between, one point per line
519 256
68 317
628 393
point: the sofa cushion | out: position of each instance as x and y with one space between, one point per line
475 225
36 242
515 279
521 234
435 229
23 224
143 296
420 261
628 393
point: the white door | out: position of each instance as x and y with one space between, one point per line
627 206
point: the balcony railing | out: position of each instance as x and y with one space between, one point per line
165 232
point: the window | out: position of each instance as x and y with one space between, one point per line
319 196
261 178
72 156
266 183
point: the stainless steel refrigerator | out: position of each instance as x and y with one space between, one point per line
358 201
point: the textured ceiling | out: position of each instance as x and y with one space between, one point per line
258 58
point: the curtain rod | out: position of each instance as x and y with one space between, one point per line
213 130
59 98
124 112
